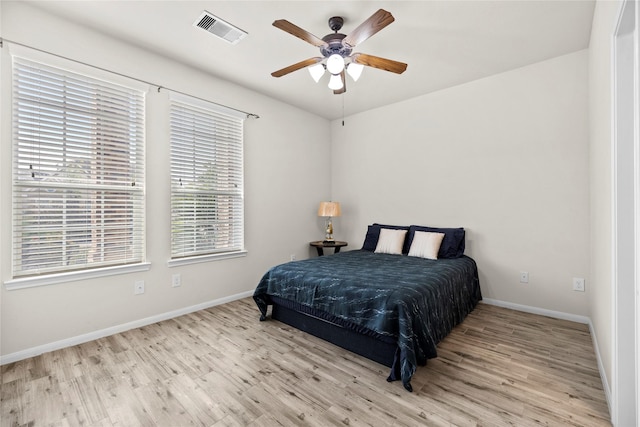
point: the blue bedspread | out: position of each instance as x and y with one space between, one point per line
415 301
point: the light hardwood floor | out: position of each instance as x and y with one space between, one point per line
222 367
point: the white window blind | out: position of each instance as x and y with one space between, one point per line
207 200
78 171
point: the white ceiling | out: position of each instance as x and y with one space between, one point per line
445 43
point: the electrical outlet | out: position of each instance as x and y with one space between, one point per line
138 287
524 277
293 257
176 280
578 284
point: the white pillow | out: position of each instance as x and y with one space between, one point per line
426 244
390 241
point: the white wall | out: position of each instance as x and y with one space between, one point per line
506 157
280 149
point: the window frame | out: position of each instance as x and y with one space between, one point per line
214 112
26 279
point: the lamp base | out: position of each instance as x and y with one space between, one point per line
329 241
328 235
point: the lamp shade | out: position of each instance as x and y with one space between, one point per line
329 209
316 71
335 64
335 82
355 70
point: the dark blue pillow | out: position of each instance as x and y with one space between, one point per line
452 245
373 234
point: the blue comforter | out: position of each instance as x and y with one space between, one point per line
415 301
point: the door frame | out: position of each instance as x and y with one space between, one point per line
626 218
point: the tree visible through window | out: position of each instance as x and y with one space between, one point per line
78 171
207 202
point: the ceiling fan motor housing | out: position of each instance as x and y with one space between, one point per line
334 41
335 46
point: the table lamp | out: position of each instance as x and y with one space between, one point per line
329 210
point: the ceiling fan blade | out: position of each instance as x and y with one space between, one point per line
380 63
375 23
295 67
293 29
344 85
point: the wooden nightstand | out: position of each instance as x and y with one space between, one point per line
320 245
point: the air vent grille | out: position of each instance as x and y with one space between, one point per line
219 28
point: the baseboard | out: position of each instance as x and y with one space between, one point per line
80 339
540 311
564 316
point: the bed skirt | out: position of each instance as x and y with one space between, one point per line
380 349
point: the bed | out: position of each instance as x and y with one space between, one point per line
386 305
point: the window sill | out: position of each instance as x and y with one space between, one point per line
205 258
52 279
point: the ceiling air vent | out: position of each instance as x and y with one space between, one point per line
220 28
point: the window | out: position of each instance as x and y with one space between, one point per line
207 200
78 171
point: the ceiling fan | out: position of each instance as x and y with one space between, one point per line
336 50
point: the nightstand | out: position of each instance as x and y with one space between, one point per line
320 245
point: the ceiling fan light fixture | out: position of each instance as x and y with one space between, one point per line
335 64
355 70
335 82
316 71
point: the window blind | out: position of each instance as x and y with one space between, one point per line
207 200
78 171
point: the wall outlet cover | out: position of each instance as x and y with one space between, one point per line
138 287
176 280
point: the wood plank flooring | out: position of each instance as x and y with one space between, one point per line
222 367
